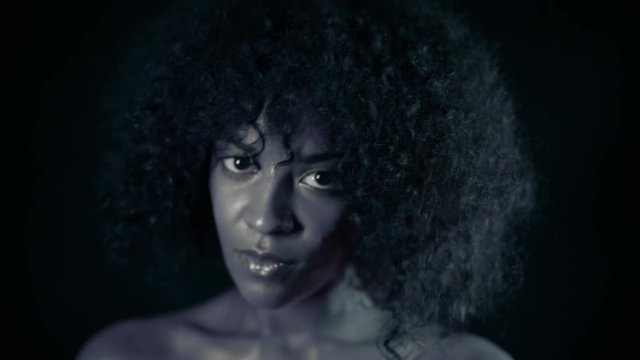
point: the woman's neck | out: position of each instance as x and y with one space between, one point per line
336 311
303 318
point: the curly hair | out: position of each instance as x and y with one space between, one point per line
414 101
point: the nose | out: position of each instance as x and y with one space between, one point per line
269 209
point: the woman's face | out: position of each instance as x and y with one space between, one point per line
280 213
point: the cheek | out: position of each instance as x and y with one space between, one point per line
227 203
324 222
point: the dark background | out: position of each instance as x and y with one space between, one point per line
568 63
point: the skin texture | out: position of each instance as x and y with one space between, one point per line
226 328
273 204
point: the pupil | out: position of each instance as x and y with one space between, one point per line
323 178
242 163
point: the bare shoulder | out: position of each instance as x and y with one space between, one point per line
464 347
131 339
473 347
165 336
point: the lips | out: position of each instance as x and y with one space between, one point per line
264 264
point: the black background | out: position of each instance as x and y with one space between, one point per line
568 63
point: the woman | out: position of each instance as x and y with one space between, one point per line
360 163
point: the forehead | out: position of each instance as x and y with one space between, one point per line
309 134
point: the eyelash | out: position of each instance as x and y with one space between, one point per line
314 173
230 165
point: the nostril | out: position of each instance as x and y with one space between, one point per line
269 210
272 225
288 224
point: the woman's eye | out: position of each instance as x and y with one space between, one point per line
240 164
323 180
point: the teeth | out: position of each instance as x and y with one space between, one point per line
263 269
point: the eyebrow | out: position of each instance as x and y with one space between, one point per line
320 157
242 146
253 149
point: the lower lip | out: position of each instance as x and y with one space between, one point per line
264 269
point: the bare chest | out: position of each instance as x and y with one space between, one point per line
229 348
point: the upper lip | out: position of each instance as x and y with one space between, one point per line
264 256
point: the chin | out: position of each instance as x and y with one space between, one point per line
275 295
264 296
